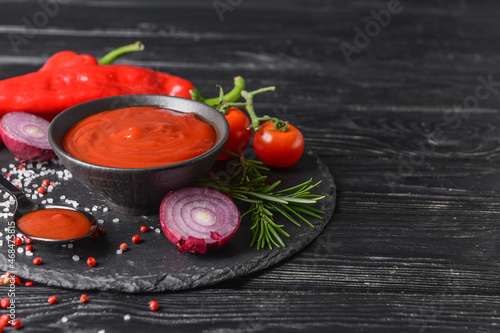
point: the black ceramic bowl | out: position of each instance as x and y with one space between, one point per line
137 191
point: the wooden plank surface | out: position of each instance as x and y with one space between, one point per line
413 244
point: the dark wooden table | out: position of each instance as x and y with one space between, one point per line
402 108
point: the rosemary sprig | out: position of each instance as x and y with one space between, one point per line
249 185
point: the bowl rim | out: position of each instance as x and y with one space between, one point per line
222 133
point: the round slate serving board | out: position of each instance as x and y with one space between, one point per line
155 264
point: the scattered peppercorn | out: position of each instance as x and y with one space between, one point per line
41 190
53 300
28 240
123 246
28 283
153 305
21 166
4 320
144 229
136 239
94 235
45 182
4 303
29 248
18 241
17 324
101 230
37 261
91 261
84 298
17 280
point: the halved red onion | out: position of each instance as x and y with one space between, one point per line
198 219
26 136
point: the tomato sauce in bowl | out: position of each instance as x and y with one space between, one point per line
139 137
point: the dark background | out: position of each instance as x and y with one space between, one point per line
413 243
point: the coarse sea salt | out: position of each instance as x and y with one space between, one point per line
119 251
116 220
75 257
126 317
64 319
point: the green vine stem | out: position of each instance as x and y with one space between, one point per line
232 96
115 54
279 124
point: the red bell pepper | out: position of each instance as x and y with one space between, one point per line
68 78
47 93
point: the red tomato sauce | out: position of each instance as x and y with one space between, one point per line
139 137
54 223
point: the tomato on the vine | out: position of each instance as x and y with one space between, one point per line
278 148
239 135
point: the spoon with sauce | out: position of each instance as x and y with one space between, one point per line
49 223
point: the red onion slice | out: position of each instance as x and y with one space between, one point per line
197 219
26 136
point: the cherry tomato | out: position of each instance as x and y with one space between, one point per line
239 136
278 148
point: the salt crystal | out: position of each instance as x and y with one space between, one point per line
94 209
50 188
126 317
4 170
64 245
102 331
64 319
20 250
1 242
86 209
63 197
34 197
76 258
116 220
157 230
6 209
119 251
29 253
44 201
105 209
100 221
151 227
29 165
70 246
11 165
50 200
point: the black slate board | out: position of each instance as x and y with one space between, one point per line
155 264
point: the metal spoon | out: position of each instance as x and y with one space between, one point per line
25 206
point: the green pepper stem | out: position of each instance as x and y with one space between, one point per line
232 96
115 54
